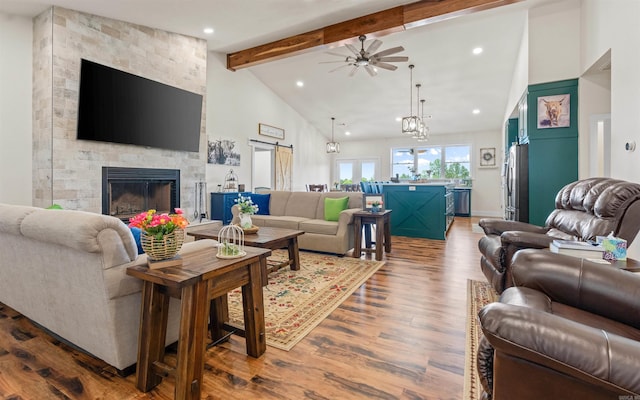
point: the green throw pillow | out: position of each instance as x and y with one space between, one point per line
333 207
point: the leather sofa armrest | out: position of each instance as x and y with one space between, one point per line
526 240
494 226
594 287
577 350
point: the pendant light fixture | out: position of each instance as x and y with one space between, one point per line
410 123
333 146
424 134
420 124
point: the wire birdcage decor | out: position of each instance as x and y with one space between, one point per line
230 182
231 242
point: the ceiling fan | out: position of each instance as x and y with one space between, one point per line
367 58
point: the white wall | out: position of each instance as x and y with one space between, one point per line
15 109
554 42
486 192
613 25
236 103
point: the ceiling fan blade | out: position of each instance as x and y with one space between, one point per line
353 49
370 70
331 62
353 71
336 54
392 59
372 47
390 67
390 51
342 66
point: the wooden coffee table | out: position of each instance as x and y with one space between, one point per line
265 238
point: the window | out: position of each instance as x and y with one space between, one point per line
345 170
439 162
354 171
368 171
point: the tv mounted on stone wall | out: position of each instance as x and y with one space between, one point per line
119 107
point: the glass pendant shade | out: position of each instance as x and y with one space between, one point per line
333 146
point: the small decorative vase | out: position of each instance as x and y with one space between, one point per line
162 249
245 221
375 209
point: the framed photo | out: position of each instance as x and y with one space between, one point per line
554 111
488 157
223 152
371 200
272 131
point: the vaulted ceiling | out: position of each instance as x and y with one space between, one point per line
454 81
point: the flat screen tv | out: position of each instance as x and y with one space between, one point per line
116 106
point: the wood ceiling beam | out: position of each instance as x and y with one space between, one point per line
378 24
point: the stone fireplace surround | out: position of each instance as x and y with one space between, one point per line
68 171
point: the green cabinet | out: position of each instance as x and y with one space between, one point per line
553 146
421 210
511 133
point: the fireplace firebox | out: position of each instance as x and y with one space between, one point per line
130 191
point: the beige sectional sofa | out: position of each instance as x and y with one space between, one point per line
305 211
66 270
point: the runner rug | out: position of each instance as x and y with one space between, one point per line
297 301
479 294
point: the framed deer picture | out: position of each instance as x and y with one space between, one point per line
554 111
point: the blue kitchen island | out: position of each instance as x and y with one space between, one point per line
423 210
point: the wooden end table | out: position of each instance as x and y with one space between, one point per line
266 238
382 222
201 277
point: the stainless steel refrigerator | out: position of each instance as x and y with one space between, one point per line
517 184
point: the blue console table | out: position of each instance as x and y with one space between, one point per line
221 203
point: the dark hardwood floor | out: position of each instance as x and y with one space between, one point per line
401 335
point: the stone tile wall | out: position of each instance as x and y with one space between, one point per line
68 171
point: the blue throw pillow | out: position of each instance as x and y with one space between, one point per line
262 201
136 235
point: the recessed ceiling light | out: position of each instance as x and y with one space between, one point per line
477 50
476 111
347 133
299 84
398 119
208 31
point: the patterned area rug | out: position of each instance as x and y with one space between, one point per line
479 294
297 301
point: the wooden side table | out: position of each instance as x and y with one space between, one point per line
202 277
382 222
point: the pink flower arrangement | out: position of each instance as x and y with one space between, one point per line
158 225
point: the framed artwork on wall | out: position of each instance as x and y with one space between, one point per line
554 111
488 157
223 152
272 131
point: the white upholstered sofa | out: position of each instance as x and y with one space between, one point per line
66 270
305 211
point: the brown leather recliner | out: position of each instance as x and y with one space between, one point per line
570 328
583 210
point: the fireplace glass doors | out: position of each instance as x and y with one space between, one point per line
130 191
